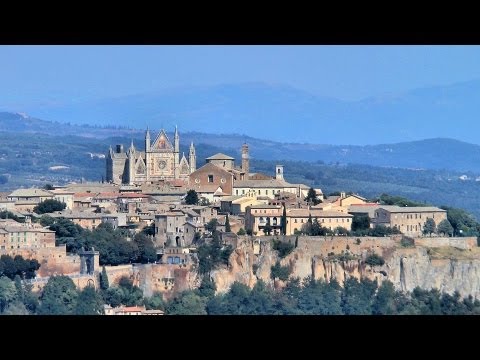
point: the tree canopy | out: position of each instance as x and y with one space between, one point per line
49 206
191 198
312 197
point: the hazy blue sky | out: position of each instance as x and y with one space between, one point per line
62 73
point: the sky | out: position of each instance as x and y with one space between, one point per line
50 74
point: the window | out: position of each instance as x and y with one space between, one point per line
266 192
295 220
236 191
243 192
210 178
258 191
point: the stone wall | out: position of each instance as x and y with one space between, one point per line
52 260
457 242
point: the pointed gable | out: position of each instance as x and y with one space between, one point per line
184 167
140 167
162 142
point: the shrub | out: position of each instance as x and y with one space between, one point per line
374 260
278 271
283 248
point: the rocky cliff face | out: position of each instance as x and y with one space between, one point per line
406 268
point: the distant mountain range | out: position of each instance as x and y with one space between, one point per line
285 114
438 153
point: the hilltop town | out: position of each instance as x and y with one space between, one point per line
163 224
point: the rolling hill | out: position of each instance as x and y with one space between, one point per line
438 153
286 114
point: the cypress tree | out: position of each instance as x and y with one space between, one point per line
104 285
227 224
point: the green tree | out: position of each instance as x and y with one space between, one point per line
241 232
132 294
48 187
284 248
155 302
89 302
374 260
320 298
227 224
340 230
25 295
59 296
146 248
207 288
8 292
49 206
191 198
4 214
212 225
11 267
280 272
385 300
16 308
360 222
312 197
114 296
104 279
284 221
187 303
149 229
267 229
445 228
357 297
429 227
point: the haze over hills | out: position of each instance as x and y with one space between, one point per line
439 153
285 114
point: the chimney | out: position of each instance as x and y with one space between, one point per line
342 195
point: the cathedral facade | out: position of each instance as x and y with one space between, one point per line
159 162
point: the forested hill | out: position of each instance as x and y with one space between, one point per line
440 153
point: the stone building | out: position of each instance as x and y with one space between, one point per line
296 218
409 220
212 182
159 162
15 235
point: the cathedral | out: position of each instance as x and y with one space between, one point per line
159 162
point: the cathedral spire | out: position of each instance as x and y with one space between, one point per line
132 148
192 158
176 141
147 139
